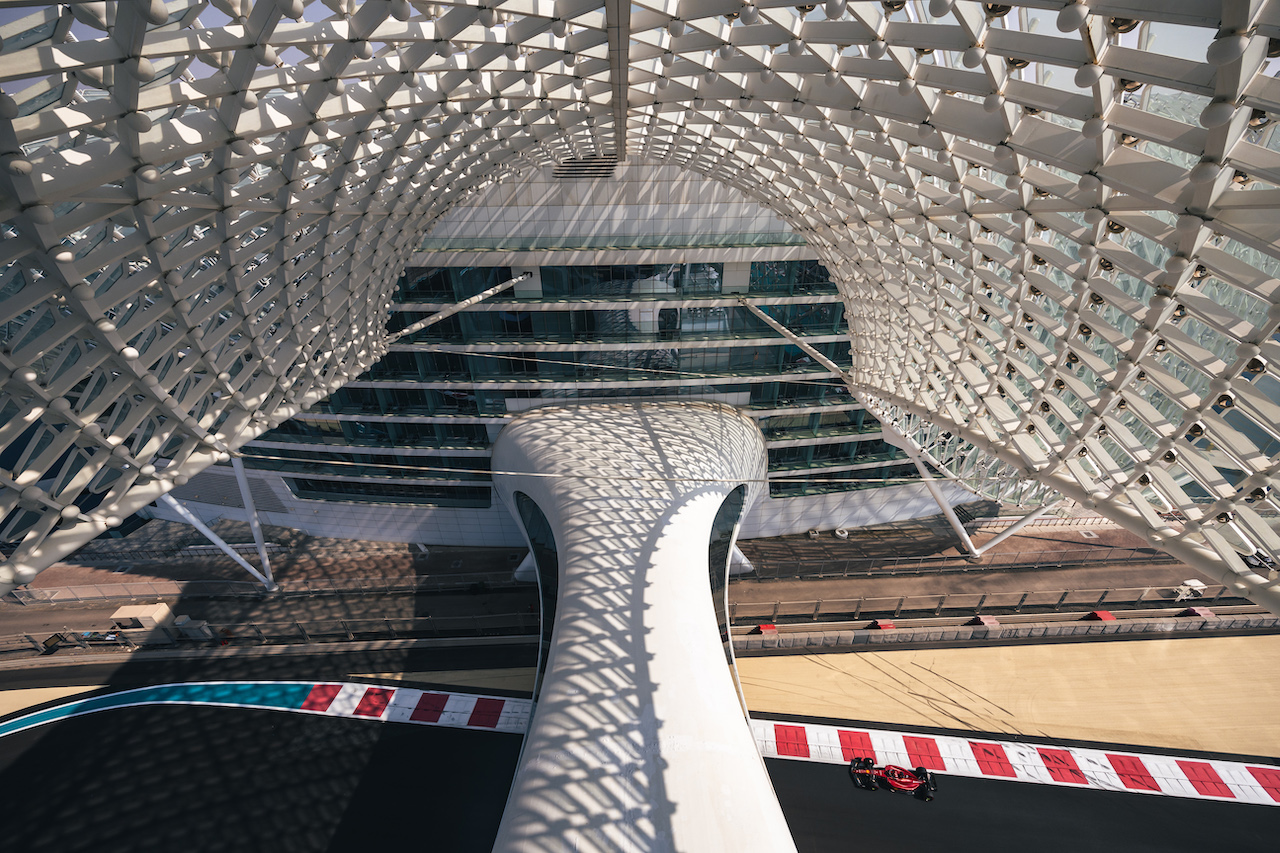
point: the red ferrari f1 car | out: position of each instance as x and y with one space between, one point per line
919 782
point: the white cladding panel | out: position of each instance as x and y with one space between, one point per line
638 740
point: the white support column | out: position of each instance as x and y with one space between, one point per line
943 504
252 511
918 457
638 740
191 519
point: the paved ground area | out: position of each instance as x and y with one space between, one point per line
15 619
506 680
878 544
309 558
216 779
1100 577
1079 542
931 535
1159 693
160 550
1212 694
207 779
1201 694
827 815
156 552
274 613
912 537
420 666
12 701
282 610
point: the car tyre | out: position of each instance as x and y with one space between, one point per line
927 778
860 770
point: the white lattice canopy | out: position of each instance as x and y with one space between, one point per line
1054 226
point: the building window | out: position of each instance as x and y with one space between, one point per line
422 494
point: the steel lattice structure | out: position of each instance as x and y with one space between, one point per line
1054 225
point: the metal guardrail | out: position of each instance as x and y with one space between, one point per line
769 566
339 630
195 551
1068 627
120 551
1007 619
973 604
308 631
994 524
134 590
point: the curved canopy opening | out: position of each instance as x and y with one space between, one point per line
1054 228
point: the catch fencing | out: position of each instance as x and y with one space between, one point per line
301 631
770 566
402 585
974 604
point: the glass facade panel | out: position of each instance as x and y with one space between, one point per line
651 281
443 495
648 333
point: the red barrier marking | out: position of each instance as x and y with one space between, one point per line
792 740
1205 779
1269 779
1133 773
486 713
1062 766
321 697
856 745
374 702
991 759
429 707
923 752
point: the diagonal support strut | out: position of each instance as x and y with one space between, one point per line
190 518
914 451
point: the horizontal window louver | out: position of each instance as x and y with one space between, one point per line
586 167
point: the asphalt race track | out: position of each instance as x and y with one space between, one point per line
828 815
166 778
